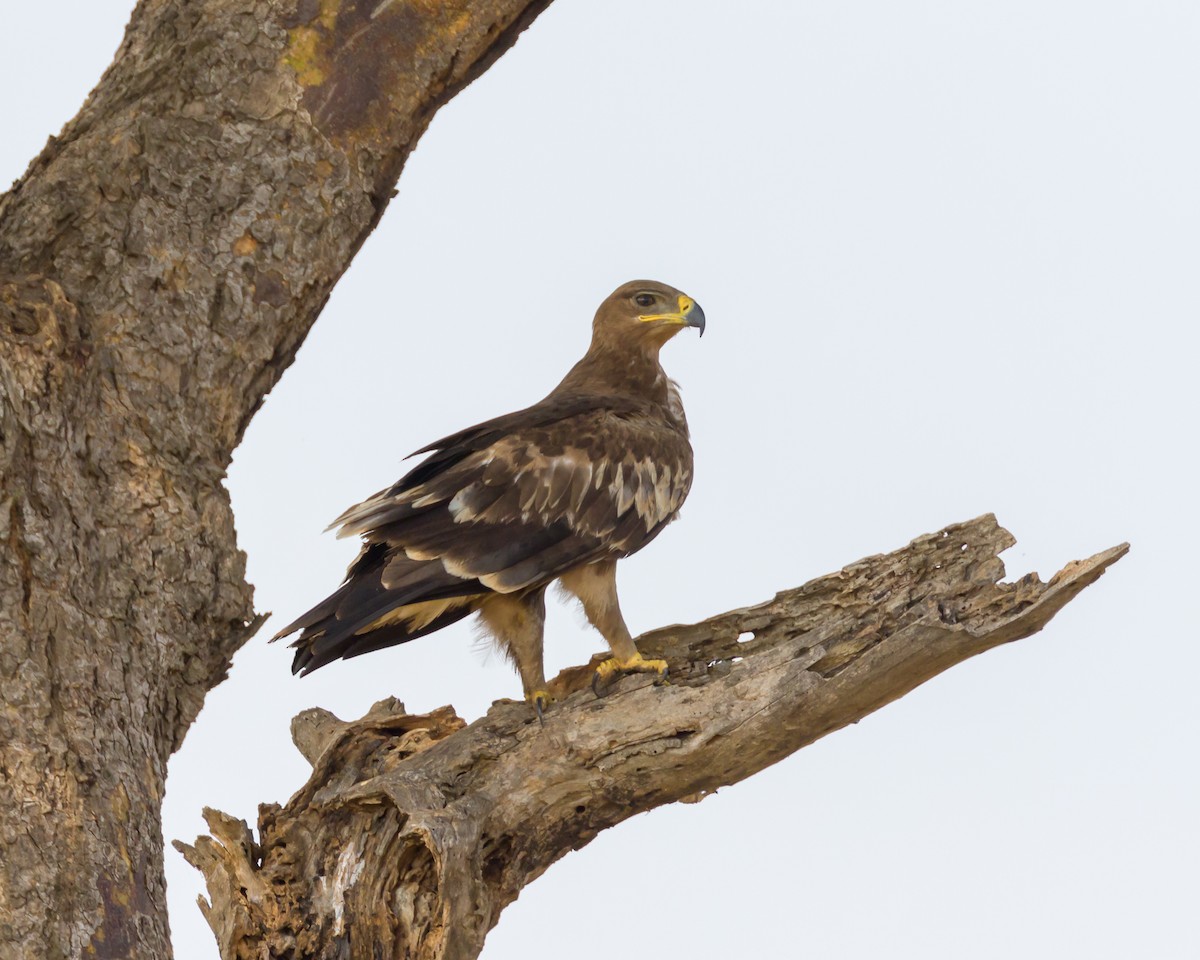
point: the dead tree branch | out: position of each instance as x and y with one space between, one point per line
414 832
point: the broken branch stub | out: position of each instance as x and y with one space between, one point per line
414 832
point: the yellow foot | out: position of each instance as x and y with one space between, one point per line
540 700
610 669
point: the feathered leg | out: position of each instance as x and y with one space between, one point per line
517 622
596 587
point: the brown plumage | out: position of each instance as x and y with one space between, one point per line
558 491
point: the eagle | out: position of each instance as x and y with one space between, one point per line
560 490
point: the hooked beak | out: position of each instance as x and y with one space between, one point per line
689 315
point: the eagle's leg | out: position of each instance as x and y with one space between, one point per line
596 587
517 622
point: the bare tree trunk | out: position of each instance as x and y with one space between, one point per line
414 832
160 263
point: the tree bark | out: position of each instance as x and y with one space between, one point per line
160 263
414 832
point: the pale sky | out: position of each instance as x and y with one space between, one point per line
948 254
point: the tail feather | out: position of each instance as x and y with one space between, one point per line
399 626
371 556
401 632
387 599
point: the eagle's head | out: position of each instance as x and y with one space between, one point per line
646 312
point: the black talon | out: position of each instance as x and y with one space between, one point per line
601 691
537 707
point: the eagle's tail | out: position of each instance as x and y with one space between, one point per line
386 600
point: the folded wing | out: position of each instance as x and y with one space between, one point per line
503 507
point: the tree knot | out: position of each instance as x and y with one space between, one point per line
38 311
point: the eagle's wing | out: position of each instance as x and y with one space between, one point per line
504 506
520 508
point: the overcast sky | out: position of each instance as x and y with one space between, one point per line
948 252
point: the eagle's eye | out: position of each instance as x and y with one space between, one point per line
644 300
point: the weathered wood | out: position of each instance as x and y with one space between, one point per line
414 832
160 263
